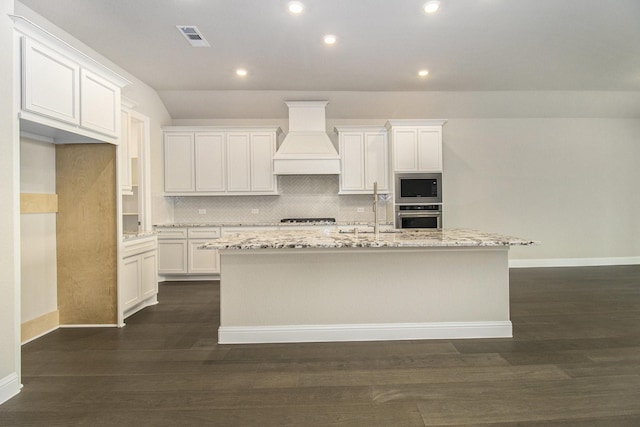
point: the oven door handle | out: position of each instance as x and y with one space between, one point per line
418 215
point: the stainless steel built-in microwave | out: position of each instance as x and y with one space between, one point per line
418 188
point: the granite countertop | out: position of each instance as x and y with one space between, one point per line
298 239
267 224
132 236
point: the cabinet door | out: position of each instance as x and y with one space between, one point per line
172 256
148 274
99 104
179 174
209 158
430 149
131 281
124 156
376 165
405 149
50 83
352 157
238 161
262 151
202 260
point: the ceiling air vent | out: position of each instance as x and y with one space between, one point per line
193 36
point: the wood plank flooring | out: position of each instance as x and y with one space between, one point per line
574 361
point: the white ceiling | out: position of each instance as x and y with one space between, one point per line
469 45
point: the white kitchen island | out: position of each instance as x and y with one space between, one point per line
309 286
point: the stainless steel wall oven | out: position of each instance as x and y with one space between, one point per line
418 216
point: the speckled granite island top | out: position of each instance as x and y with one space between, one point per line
299 239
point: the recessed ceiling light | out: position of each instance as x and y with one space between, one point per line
241 72
330 39
432 6
423 73
296 7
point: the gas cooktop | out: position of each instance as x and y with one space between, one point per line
307 220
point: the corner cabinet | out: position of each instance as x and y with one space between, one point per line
416 145
65 94
364 159
219 161
139 288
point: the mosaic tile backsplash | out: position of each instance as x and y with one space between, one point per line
300 196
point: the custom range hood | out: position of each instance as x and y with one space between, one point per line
307 149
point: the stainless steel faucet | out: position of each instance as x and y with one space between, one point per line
375 209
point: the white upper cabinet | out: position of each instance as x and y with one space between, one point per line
50 83
239 161
416 145
134 169
430 149
364 159
219 161
263 147
66 96
179 162
99 104
124 154
210 168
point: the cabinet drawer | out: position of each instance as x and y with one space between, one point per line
138 246
204 233
172 233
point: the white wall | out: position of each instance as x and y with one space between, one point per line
39 294
9 215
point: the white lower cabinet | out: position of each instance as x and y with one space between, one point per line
172 256
139 286
205 261
179 252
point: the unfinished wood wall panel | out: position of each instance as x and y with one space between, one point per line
40 325
38 203
86 233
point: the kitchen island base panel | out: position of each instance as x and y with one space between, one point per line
302 295
368 332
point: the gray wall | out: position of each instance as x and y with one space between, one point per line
570 183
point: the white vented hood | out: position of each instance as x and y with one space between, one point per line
307 149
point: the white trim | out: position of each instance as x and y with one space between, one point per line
9 387
363 332
106 325
187 277
573 262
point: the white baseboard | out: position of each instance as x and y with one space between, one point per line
365 332
188 277
573 262
106 325
9 387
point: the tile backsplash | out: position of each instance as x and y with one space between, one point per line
300 196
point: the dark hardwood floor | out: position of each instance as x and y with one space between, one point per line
574 361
